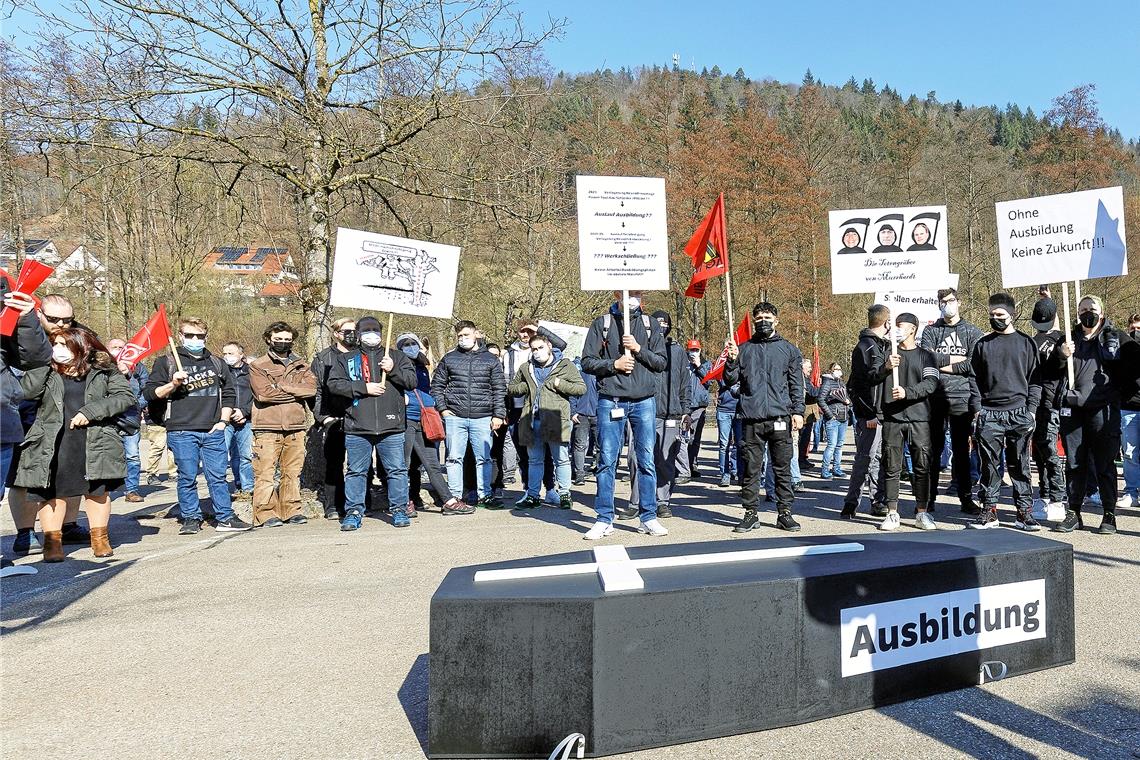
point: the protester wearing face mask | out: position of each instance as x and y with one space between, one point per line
198 401
866 389
374 379
1005 391
130 422
1127 378
1090 414
546 386
239 435
834 406
419 452
770 372
952 339
1051 372
73 448
328 411
282 385
699 398
470 392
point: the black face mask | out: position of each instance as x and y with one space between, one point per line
350 339
765 328
1089 319
281 347
999 325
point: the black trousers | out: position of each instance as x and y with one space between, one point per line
960 428
1009 431
334 467
419 452
1050 475
776 437
1092 441
917 436
585 431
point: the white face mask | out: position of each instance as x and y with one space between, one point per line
695 355
233 361
467 343
370 339
949 310
61 354
634 303
837 374
540 355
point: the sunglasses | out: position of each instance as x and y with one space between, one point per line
59 320
194 335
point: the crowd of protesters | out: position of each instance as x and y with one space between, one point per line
464 425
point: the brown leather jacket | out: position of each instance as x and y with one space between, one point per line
279 394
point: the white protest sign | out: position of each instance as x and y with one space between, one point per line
393 274
921 303
623 241
1062 238
888 249
574 336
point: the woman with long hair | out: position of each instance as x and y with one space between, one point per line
73 449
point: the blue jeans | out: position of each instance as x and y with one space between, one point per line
131 449
189 447
239 443
833 453
1130 446
390 451
728 429
536 460
817 433
642 416
6 452
460 432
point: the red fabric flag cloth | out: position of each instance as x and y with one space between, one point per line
743 335
32 274
708 248
816 373
152 338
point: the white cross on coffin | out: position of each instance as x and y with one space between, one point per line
618 572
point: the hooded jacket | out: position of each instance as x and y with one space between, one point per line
674 385
554 400
1095 368
771 377
585 405
945 341
865 386
1128 373
603 347
372 415
25 349
327 404
1050 366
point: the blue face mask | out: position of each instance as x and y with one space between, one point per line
412 350
194 345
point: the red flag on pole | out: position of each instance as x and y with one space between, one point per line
152 338
816 373
742 335
708 248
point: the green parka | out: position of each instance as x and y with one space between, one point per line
107 395
555 425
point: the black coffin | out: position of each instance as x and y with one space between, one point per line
724 649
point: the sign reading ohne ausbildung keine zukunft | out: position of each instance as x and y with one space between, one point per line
623 241
888 249
1062 238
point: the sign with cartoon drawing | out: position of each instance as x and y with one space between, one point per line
888 249
386 273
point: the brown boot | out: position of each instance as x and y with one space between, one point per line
101 543
53 546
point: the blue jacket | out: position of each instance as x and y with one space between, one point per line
699 397
727 398
423 385
587 404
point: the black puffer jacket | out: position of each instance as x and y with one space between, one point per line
470 384
865 385
771 376
830 408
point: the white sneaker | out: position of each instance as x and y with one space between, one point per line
924 521
653 527
1127 501
600 530
890 522
1055 511
553 498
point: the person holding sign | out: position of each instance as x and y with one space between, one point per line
906 417
770 372
626 360
1090 414
1005 391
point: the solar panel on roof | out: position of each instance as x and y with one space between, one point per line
230 253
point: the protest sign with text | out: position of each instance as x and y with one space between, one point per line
888 249
623 241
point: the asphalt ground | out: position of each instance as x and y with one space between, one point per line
306 642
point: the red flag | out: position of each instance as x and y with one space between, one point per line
708 248
743 335
152 338
816 374
32 274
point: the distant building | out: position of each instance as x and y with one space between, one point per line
265 273
41 250
78 268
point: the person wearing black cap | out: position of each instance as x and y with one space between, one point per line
1051 373
374 421
906 416
1005 391
674 393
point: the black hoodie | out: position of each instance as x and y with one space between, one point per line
603 347
771 376
372 415
1095 365
865 386
674 385
197 404
945 341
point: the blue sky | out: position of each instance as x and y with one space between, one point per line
997 51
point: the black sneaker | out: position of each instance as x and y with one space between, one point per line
272 522
970 508
233 525
74 533
566 502
625 513
528 503
190 527
750 521
1108 525
297 520
663 511
986 520
1026 521
786 522
490 502
879 510
331 514
848 512
1071 522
